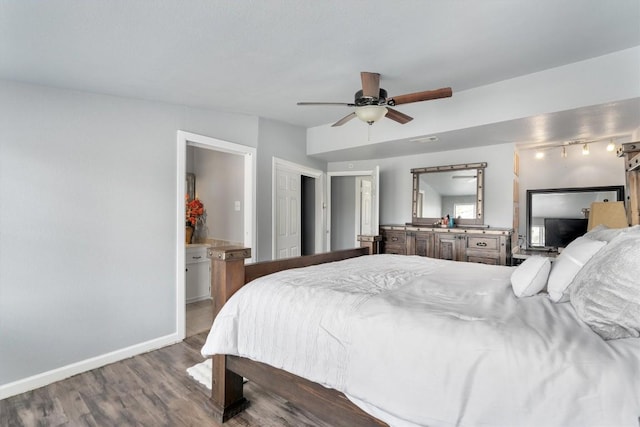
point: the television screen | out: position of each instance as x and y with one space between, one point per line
559 232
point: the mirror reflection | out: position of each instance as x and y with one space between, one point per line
557 216
455 190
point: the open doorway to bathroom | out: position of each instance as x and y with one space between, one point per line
222 176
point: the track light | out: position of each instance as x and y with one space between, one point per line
585 149
564 152
611 146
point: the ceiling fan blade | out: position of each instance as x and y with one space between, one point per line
342 104
344 120
444 92
398 116
370 84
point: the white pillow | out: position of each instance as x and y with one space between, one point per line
530 277
606 292
568 264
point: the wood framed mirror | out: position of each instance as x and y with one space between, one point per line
455 190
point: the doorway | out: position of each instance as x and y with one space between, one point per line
352 207
297 217
247 200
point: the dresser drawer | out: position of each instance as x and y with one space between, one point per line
394 249
483 258
394 242
394 238
487 243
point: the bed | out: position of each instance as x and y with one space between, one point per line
413 341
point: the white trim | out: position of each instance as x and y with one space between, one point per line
181 309
281 164
58 374
358 214
249 153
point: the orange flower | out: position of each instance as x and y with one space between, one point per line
194 211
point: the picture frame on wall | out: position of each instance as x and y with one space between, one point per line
190 185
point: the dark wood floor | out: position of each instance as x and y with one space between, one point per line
151 389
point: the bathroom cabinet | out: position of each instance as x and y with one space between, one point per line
198 273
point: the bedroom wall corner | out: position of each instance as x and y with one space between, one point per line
396 184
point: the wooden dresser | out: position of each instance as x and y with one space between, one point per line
486 245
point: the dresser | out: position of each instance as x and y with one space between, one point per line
486 245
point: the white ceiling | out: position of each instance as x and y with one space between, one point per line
259 57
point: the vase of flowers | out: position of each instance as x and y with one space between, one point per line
195 221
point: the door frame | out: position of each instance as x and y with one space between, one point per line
215 144
358 213
375 176
281 164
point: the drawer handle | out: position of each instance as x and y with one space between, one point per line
196 257
394 239
481 244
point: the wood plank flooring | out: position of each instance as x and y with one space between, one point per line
152 389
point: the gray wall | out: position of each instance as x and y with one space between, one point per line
343 208
599 168
396 184
219 184
88 214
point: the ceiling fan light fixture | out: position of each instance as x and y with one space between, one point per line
371 113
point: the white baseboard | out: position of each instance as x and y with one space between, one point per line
46 378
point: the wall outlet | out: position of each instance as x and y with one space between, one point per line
236 205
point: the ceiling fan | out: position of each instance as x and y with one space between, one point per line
371 102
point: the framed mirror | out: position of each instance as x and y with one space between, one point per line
557 216
454 190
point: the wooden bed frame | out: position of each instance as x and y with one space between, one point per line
229 273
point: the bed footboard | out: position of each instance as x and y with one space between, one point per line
229 274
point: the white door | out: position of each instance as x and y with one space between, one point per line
288 205
365 199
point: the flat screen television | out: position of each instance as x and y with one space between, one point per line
559 232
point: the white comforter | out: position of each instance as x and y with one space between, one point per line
419 341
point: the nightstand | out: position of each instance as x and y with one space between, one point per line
519 255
